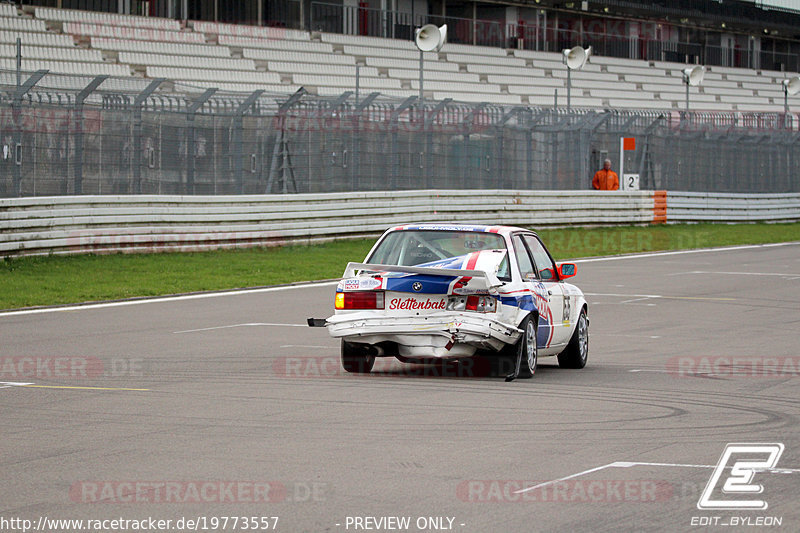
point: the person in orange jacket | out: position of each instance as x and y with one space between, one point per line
605 179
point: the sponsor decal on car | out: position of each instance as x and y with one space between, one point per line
466 291
356 284
412 304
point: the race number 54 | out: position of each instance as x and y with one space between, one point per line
743 461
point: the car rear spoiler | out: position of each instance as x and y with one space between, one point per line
490 280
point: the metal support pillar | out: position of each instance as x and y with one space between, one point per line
466 125
280 152
393 125
190 156
355 168
16 112
429 140
136 156
238 127
500 136
77 174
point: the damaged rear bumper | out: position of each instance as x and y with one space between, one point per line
440 335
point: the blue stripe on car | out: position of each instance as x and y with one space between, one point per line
430 284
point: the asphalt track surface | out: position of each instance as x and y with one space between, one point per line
688 352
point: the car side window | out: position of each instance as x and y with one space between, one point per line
524 262
542 260
502 270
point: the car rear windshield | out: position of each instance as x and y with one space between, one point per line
416 247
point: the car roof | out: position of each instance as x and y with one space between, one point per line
446 226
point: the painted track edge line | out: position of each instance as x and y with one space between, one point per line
323 283
679 252
165 299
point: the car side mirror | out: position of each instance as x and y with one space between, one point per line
567 270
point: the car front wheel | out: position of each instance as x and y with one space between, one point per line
356 359
576 353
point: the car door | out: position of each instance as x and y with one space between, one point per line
551 289
537 290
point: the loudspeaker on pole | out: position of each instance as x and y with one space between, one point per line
694 75
431 38
576 57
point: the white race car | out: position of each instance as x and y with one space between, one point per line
432 291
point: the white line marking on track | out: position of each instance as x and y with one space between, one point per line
243 325
787 275
636 300
163 299
732 373
631 464
302 346
546 483
9 384
627 336
683 252
617 295
655 296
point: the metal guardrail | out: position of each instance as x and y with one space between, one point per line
107 224
716 207
100 224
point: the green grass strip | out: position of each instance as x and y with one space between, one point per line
51 280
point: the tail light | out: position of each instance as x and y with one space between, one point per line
479 304
359 300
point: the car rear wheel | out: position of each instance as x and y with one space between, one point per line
529 351
576 353
356 359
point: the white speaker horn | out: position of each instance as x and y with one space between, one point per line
792 85
694 76
429 38
575 58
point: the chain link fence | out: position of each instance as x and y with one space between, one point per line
70 135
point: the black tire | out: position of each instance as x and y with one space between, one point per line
576 354
527 348
356 359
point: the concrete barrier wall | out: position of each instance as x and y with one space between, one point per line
106 224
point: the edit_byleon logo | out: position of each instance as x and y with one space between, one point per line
731 486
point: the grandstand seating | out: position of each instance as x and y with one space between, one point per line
108 19
67 67
297 57
172 60
234 76
153 47
258 32
8 50
200 54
